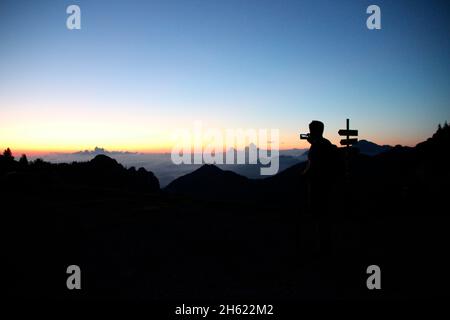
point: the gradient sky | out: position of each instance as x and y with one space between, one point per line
138 70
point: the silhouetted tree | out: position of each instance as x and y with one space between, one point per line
23 161
38 162
7 154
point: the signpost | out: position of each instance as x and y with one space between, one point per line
348 142
347 133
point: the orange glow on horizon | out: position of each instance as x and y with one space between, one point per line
35 150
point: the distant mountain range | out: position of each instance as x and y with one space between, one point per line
364 146
98 151
370 148
166 171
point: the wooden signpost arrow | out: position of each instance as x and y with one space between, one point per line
346 132
348 142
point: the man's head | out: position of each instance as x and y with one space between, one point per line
316 130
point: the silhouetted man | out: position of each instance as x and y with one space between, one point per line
320 173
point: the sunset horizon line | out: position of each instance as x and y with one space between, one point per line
17 152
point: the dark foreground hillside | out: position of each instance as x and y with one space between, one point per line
134 241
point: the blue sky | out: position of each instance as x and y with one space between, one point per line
136 65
